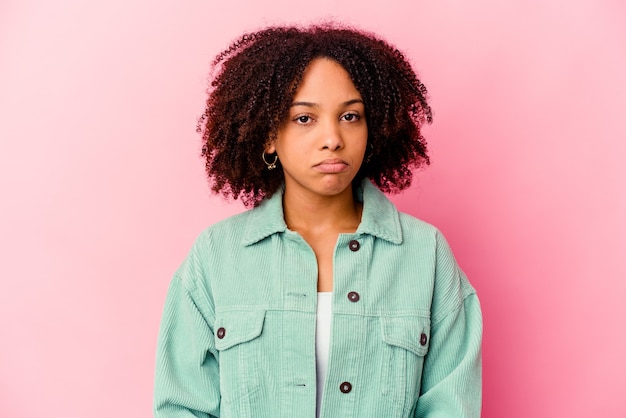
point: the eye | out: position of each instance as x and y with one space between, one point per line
303 119
351 117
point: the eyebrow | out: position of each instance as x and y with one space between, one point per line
311 104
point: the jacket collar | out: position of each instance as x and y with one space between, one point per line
380 217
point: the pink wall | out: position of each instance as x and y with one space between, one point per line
103 191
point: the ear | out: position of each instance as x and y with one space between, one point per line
270 148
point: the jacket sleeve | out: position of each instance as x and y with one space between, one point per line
187 375
452 376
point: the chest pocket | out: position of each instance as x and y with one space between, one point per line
405 344
238 339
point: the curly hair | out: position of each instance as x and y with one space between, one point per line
256 79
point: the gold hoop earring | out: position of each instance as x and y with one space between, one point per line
272 165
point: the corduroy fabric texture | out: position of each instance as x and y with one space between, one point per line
237 337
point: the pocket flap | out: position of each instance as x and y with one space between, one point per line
235 327
409 332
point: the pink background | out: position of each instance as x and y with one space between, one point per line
102 189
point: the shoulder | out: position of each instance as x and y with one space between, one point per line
218 239
415 226
419 234
451 286
415 230
227 229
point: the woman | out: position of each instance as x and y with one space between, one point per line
323 299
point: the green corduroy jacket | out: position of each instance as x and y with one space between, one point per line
237 338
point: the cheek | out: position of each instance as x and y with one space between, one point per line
291 152
363 142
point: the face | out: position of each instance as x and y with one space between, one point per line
322 142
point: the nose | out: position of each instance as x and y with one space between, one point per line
332 138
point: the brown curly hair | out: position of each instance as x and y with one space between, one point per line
256 79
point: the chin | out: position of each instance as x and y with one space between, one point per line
336 187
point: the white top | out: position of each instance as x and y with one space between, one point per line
322 341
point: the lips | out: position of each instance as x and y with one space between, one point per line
331 165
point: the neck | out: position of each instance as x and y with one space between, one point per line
309 213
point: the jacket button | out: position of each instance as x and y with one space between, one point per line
353 297
345 387
354 245
221 332
423 339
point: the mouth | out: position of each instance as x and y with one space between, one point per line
331 165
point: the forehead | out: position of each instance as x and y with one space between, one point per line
325 79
